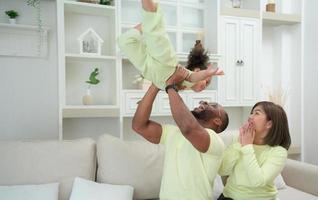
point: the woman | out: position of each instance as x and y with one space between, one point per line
254 159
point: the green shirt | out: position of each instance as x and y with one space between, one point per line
252 170
151 52
188 174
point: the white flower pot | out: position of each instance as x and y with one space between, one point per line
12 21
88 98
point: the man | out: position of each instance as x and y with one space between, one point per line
193 150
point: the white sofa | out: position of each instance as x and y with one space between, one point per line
114 161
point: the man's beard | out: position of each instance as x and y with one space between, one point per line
204 115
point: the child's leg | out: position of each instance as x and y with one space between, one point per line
155 35
132 46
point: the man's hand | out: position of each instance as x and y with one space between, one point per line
247 134
178 76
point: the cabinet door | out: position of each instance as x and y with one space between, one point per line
249 56
164 103
131 100
229 84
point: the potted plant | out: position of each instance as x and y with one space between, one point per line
87 98
106 2
12 15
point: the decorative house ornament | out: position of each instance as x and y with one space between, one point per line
90 42
236 3
270 6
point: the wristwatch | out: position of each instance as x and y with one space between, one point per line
173 86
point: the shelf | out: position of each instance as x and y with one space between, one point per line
89 8
21 40
239 12
22 27
77 57
277 19
90 111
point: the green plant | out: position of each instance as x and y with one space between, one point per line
12 14
105 2
92 77
36 4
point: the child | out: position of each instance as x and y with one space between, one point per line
155 57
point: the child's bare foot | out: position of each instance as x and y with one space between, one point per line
215 71
149 5
138 27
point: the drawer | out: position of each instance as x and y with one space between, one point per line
193 99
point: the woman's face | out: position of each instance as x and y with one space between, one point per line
259 120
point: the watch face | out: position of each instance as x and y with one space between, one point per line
172 86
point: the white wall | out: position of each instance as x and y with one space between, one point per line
29 86
310 86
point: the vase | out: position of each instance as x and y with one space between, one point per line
88 98
12 21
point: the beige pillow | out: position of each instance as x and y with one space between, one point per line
135 163
46 161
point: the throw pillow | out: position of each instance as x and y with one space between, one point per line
279 182
30 192
218 187
84 189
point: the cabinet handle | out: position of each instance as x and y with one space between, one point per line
237 62
242 63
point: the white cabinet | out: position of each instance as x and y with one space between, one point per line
240 48
161 106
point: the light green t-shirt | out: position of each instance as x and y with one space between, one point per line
188 174
151 52
252 170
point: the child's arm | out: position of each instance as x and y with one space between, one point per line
203 74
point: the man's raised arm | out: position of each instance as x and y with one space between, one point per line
188 124
141 122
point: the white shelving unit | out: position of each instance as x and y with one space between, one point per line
277 19
281 61
271 50
74 18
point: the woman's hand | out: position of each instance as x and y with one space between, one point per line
247 134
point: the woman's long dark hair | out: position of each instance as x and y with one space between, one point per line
198 57
279 132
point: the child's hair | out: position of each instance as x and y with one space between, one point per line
198 57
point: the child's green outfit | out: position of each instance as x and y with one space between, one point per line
154 57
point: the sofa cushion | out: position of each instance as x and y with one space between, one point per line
134 163
30 192
36 162
293 194
85 189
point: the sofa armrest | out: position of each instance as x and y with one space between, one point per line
302 176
